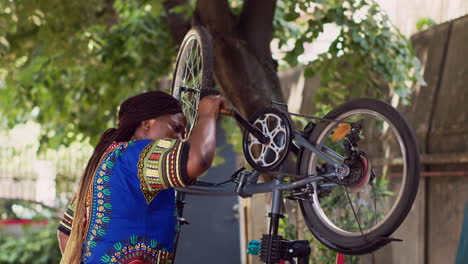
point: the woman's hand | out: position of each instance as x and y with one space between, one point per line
210 105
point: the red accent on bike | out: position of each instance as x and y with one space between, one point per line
365 178
340 258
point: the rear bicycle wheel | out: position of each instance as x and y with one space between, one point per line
193 73
355 214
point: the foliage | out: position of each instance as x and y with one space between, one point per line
234 133
287 230
63 66
38 244
25 209
367 52
69 64
38 247
425 23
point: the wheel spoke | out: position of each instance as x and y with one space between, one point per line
187 59
192 79
195 66
188 104
354 213
375 202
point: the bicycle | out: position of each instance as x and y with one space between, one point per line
343 160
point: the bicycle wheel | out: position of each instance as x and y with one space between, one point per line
193 73
354 215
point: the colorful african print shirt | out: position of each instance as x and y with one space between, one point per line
132 214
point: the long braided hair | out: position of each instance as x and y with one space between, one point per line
132 112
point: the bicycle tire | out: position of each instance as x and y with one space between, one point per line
195 79
317 218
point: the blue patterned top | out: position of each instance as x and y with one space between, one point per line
132 215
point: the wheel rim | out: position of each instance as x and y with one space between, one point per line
332 216
188 80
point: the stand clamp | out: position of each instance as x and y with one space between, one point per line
282 249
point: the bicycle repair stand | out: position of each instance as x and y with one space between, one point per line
273 247
180 202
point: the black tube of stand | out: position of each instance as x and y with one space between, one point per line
180 210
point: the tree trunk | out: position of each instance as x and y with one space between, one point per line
245 71
243 66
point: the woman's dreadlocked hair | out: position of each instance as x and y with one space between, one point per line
132 112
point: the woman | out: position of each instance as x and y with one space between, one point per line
124 211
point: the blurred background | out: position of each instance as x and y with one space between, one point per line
66 66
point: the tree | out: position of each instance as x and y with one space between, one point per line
69 64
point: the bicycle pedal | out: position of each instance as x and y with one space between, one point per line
254 247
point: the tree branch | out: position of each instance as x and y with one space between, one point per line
215 15
240 73
108 14
178 25
256 25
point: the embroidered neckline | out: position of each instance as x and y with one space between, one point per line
116 144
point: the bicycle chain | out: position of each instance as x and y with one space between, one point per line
320 118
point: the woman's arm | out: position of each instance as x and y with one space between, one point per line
203 138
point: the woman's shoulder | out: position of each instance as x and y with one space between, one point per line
139 146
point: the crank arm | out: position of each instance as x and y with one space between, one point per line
245 123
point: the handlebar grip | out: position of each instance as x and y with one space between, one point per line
226 111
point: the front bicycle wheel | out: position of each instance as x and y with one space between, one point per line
193 73
357 213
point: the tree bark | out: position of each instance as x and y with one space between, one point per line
243 65
178 26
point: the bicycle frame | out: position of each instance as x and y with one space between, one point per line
246 182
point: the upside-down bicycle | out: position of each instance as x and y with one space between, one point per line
359 162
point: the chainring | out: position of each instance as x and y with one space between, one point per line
276 126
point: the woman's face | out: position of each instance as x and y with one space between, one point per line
167 126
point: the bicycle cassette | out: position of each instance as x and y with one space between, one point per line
276 126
